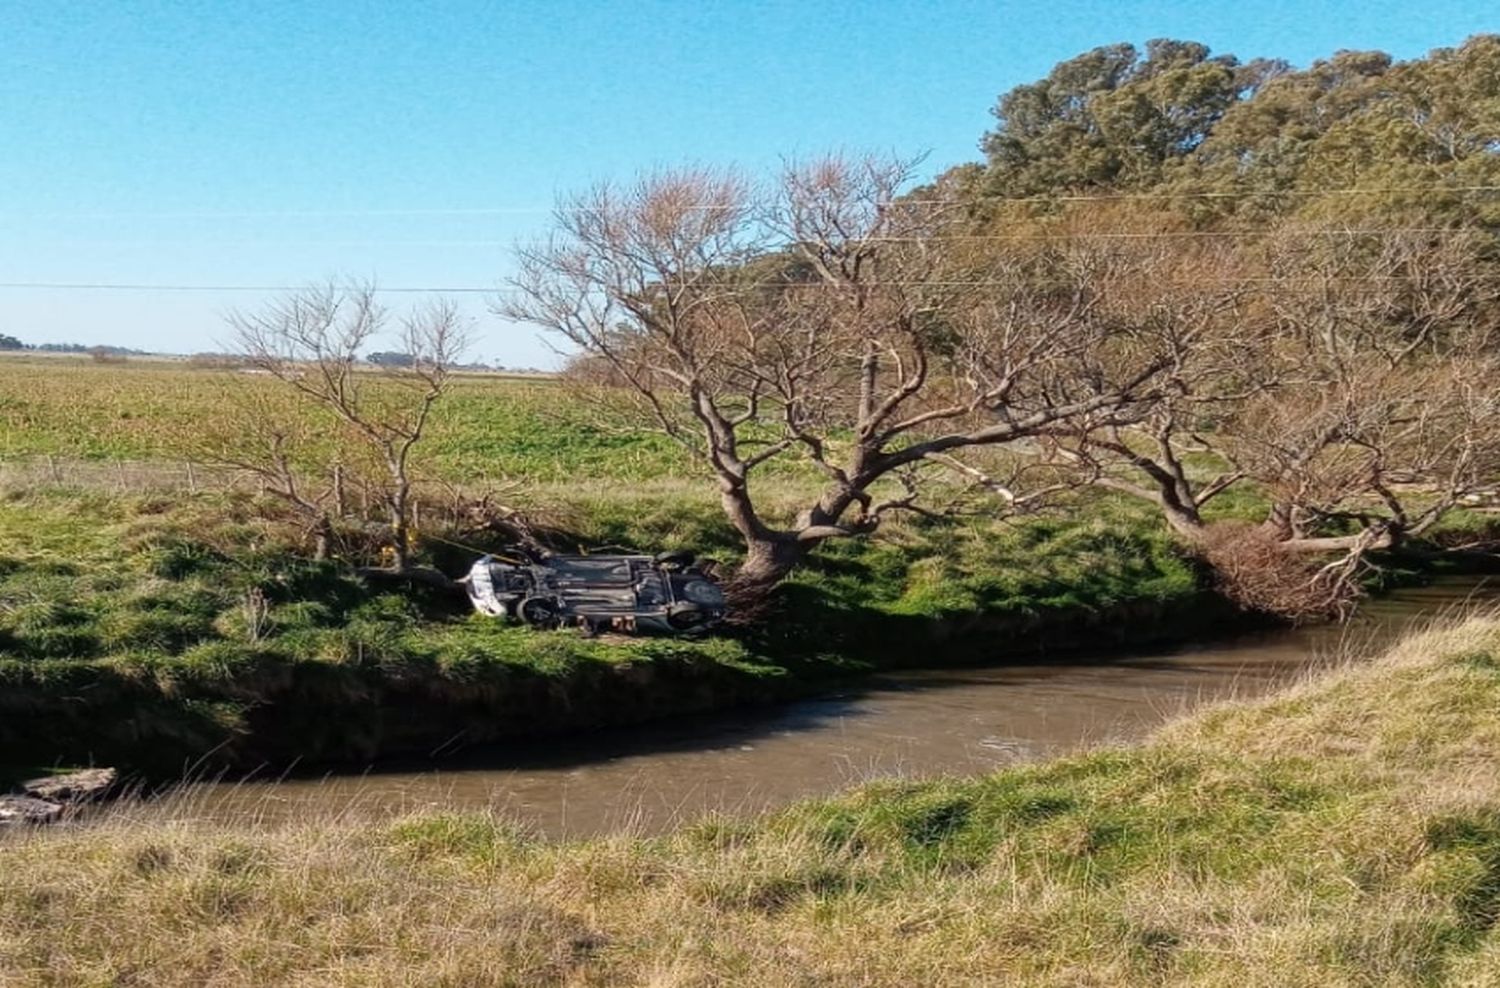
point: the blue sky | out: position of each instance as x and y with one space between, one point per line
277 143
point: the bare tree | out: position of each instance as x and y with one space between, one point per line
829 319
275 444
312 341
1364 401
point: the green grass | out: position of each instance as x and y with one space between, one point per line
129 639
489 428
123 625
146 631
1345 832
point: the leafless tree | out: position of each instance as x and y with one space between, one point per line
1364 401
273 443
312 341
830 319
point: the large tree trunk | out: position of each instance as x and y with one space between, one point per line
1177 506
769 554
1184 520
1382 537
1278 524
322 537
400 534
400 557
1282 527
772 554
769 559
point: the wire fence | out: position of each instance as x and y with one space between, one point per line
434 505
124 476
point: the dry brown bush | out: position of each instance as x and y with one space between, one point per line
1256 570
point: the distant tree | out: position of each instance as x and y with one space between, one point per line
216 361
107 355
10 343
388 358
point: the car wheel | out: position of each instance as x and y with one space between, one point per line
703 593
677 559
539 612
686 616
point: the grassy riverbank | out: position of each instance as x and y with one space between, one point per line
148 632
1346 832
155 618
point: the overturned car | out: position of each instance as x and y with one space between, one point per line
670 593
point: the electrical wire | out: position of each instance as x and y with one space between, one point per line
503 290
936 238
1122 235
981 197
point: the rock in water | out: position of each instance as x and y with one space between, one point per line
72 788
16 810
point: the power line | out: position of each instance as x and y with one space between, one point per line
981 197
140 287
232 214
503 290
1234 194
271 242
1185 234
1145 235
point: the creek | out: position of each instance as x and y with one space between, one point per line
911 724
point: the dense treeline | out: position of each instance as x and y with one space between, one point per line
1355 136
1364 193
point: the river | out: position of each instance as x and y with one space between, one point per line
911 724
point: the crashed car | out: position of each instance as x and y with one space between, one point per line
670 593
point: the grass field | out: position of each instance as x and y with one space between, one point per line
1347 833
145 631
1344 833
491 427
145 624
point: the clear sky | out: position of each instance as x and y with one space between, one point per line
277 143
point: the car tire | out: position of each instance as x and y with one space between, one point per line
703 593
686 616
539 612
677 559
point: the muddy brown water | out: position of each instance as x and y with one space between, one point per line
911 724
